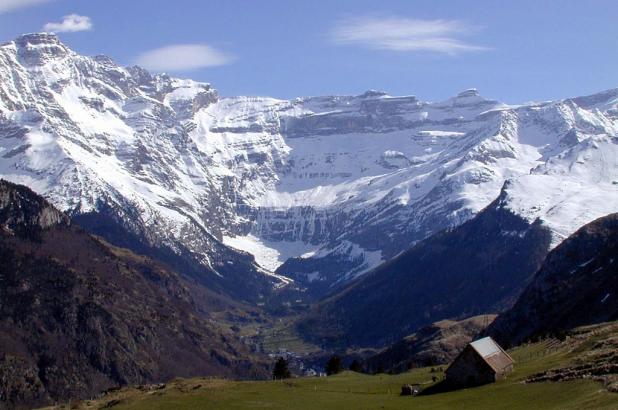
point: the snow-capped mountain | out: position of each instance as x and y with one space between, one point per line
318 189
111 147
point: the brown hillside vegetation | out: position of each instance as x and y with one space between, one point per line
432 345
79 316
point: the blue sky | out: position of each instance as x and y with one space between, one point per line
513 51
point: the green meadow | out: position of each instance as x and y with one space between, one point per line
350 390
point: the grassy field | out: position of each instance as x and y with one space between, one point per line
284 335
358 391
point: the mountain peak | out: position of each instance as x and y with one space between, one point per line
470 92
469 97
36 39
38 48
373 94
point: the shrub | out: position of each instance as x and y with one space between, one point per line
281 370
355 366
333 366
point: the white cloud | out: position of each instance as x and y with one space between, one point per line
404 34
181 57
10 5
70 23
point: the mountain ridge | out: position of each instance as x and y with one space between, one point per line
302 185
479 267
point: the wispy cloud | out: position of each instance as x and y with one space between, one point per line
10 5
404 34
182 57
70 23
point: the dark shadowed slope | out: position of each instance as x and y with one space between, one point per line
577 285
479 267
233 274
78 315
438 343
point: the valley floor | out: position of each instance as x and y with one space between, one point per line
359 391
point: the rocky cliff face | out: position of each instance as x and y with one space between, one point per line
334 181
25 214
577 285
78 316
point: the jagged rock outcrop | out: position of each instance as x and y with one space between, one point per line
25 214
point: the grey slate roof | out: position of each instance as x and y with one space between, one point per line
492 353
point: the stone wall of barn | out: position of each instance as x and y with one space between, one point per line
469 369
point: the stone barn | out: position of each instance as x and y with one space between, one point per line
482 361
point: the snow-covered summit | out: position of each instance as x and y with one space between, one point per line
470 92
339 182
38 48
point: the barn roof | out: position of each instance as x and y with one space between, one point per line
486 346
492 353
